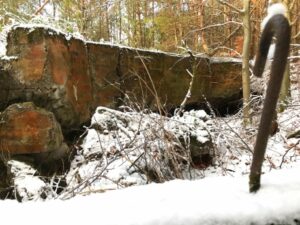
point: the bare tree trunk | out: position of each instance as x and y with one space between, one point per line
120 21
246 50
107 23
201 24
285 88
286 83
245 66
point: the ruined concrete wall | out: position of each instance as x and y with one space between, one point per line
70 77
25 128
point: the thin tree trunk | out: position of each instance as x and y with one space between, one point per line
245 63
120 22
286 83
285 88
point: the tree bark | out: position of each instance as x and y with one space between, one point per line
286 83
245 64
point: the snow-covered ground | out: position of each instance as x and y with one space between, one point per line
209 201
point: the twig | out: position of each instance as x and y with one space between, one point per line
286 152
231 129
82 185
226 40
188 94
159 105
218 25
241 139
230 6
41 8
134 162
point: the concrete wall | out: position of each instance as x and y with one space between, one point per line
70 77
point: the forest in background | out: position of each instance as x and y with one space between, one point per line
203 26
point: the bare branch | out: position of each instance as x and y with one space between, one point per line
292 23
296 35
292 4
41 8
219 25
230 6
188 94
189 91
283 157
225 41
